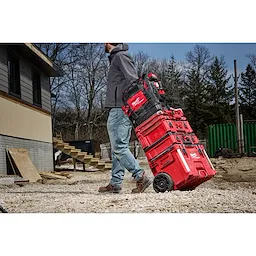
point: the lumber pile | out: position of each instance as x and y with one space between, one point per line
56 175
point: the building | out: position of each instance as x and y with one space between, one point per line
25 104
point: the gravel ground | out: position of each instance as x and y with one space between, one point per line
79 195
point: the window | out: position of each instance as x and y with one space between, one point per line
36 81
14 74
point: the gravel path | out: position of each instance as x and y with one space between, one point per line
79 195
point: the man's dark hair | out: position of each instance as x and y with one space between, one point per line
115 44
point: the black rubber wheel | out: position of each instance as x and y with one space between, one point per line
163 182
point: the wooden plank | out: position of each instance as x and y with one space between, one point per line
10 161
49 175
68 175
24 165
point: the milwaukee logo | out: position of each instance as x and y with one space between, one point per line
194 155
137 101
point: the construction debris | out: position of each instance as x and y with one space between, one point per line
19 180
12 179
22 164
50 175
91 169
5 180
85 168
65 174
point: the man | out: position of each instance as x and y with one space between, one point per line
121 75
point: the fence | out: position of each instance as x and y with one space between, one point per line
224 136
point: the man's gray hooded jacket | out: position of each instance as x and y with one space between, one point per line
121 75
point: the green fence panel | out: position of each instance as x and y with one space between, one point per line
224 135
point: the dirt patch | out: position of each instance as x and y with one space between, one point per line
236 169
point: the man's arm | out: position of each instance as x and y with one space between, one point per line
127 68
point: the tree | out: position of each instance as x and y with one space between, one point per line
247 94
141 61
195 88
173 84
93 73
81 89
252 58
220 92
59 54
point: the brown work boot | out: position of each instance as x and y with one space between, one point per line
143 183
110 189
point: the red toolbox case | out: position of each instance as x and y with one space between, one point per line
187 166
175 156
161 124
177 160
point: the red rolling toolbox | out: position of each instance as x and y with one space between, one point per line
176 158
160 124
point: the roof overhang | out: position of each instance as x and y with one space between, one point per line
38 58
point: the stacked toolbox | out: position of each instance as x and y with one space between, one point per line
176 158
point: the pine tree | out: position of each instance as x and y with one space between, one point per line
195 89
220 92
247 94
173 84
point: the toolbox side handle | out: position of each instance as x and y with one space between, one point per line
157 141
162 153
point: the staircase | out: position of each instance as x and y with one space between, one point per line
77 155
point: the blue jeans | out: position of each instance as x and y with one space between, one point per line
119 131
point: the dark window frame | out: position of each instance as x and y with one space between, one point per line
36 87
13 66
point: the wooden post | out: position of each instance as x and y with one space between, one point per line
238 127
242 133
74 163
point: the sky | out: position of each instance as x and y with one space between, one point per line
231 51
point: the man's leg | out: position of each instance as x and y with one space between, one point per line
120 146
119 129
117 172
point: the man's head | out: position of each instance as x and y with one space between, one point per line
109 46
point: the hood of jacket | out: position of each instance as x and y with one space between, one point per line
118 48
